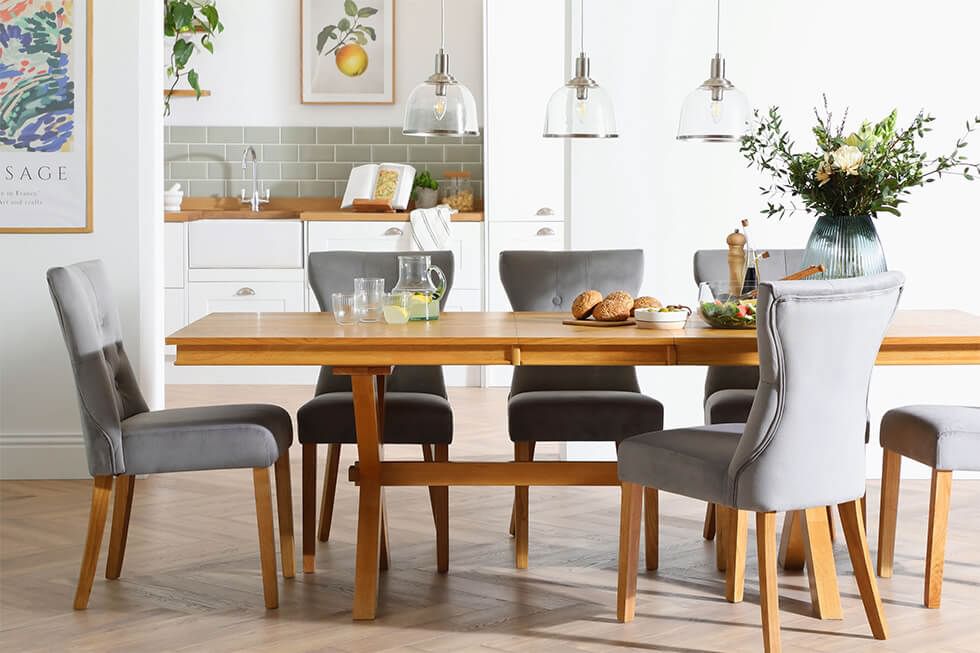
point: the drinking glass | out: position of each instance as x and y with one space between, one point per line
396 307
368 295
343 308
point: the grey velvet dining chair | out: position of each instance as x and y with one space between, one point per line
415 406
571 403
123 438
817 343
947 439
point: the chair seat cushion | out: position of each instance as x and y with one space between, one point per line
729 406
691 461
944 437
205 437
410 418
582 415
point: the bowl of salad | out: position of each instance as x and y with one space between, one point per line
722 309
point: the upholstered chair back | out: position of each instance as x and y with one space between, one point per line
331 272
550 281
104 380
803 444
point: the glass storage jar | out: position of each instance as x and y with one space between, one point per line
457 191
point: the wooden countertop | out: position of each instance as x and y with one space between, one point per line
311 209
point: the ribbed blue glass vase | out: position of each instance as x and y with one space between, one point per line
847 246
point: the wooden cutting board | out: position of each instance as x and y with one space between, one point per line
598 323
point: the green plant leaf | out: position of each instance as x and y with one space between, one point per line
365 12
207 44
369 31
194 82
210 12
182 16
325 34
343 25
361 39
350 8
182 53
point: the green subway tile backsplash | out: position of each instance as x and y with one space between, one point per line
306 161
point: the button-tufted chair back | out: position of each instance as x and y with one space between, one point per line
550 281
107 389
332 272
803 444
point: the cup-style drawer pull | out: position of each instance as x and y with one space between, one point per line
245 292
545 211
394 231
545 231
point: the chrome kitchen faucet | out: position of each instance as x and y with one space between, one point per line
256 201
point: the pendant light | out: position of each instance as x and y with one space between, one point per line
716 111
441 106
580 108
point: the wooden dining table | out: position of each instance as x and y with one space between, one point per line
367 352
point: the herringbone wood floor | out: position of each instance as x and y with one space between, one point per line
191 576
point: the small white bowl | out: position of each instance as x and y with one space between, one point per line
654 318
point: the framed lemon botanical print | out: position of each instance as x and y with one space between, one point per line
347 51
45 116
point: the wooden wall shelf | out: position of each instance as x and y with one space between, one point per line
186 93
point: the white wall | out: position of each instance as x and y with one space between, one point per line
254 72
673 197
39 422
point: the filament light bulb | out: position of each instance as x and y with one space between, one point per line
439 107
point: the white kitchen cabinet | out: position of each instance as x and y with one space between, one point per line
525 172
175 255
243 297
466 243
389 236
174 313
245 244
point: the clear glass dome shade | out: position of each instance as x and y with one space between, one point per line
438 109
714 115
580 112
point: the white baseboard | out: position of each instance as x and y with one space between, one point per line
42 456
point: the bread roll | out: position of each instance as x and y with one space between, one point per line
584 303
645 302
612 310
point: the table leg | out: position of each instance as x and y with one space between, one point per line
369 454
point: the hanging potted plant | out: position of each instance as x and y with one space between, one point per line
849 180
190 23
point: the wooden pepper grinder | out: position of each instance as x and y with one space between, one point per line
736 262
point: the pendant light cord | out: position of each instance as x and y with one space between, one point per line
581 34
442 26
718 27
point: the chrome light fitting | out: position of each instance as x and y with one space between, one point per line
441 106
580 108
716 111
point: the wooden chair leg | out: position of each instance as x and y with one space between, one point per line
820 569
629 550
736 544
441 501
852 523
122 507
791 555
329 492
284 509
709 522
522 452
651 525
830 523
513 510
309 508
101 491
267 535
765 533
383 559
891 472
936 541
721 534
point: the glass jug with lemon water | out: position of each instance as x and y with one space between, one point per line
420 296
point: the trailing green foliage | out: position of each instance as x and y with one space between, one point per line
182 20
866 172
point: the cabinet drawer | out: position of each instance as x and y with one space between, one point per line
390 236
505 236
245 244
174 253
243 297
